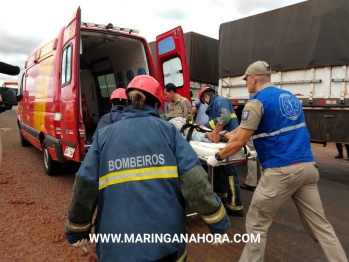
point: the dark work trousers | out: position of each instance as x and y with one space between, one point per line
226 185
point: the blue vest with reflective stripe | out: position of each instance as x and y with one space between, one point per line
282 137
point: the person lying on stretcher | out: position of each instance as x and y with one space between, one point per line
208 136
214 136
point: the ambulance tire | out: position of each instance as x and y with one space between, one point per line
24 142
51 167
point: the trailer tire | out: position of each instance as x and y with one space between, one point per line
51 167
24 142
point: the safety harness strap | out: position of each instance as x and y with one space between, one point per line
191 129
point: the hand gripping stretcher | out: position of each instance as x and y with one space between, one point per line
204 150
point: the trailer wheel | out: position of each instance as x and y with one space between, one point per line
24 142
51 167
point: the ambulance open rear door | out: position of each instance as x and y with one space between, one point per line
71 119
172 64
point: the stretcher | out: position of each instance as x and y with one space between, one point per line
205 150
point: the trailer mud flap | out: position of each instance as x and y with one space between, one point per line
326 125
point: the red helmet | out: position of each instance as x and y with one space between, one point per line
147 84
119 93
204 89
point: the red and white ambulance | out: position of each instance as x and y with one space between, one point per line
66 83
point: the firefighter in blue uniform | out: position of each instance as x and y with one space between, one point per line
226 180
141 171
118 100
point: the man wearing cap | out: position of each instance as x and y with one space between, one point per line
275 120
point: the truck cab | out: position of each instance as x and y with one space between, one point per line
13 86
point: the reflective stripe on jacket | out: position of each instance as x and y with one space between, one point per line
141 178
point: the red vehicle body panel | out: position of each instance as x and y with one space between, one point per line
177 50
71 118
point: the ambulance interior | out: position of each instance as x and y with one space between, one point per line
110 61
107 61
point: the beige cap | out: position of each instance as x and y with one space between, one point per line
258 68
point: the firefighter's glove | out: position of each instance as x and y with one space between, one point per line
218 240
81 243
212 161
253 154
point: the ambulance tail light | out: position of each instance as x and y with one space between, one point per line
57 125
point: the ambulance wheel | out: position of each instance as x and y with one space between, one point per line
51 167
24 142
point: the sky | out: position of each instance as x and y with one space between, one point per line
27 23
